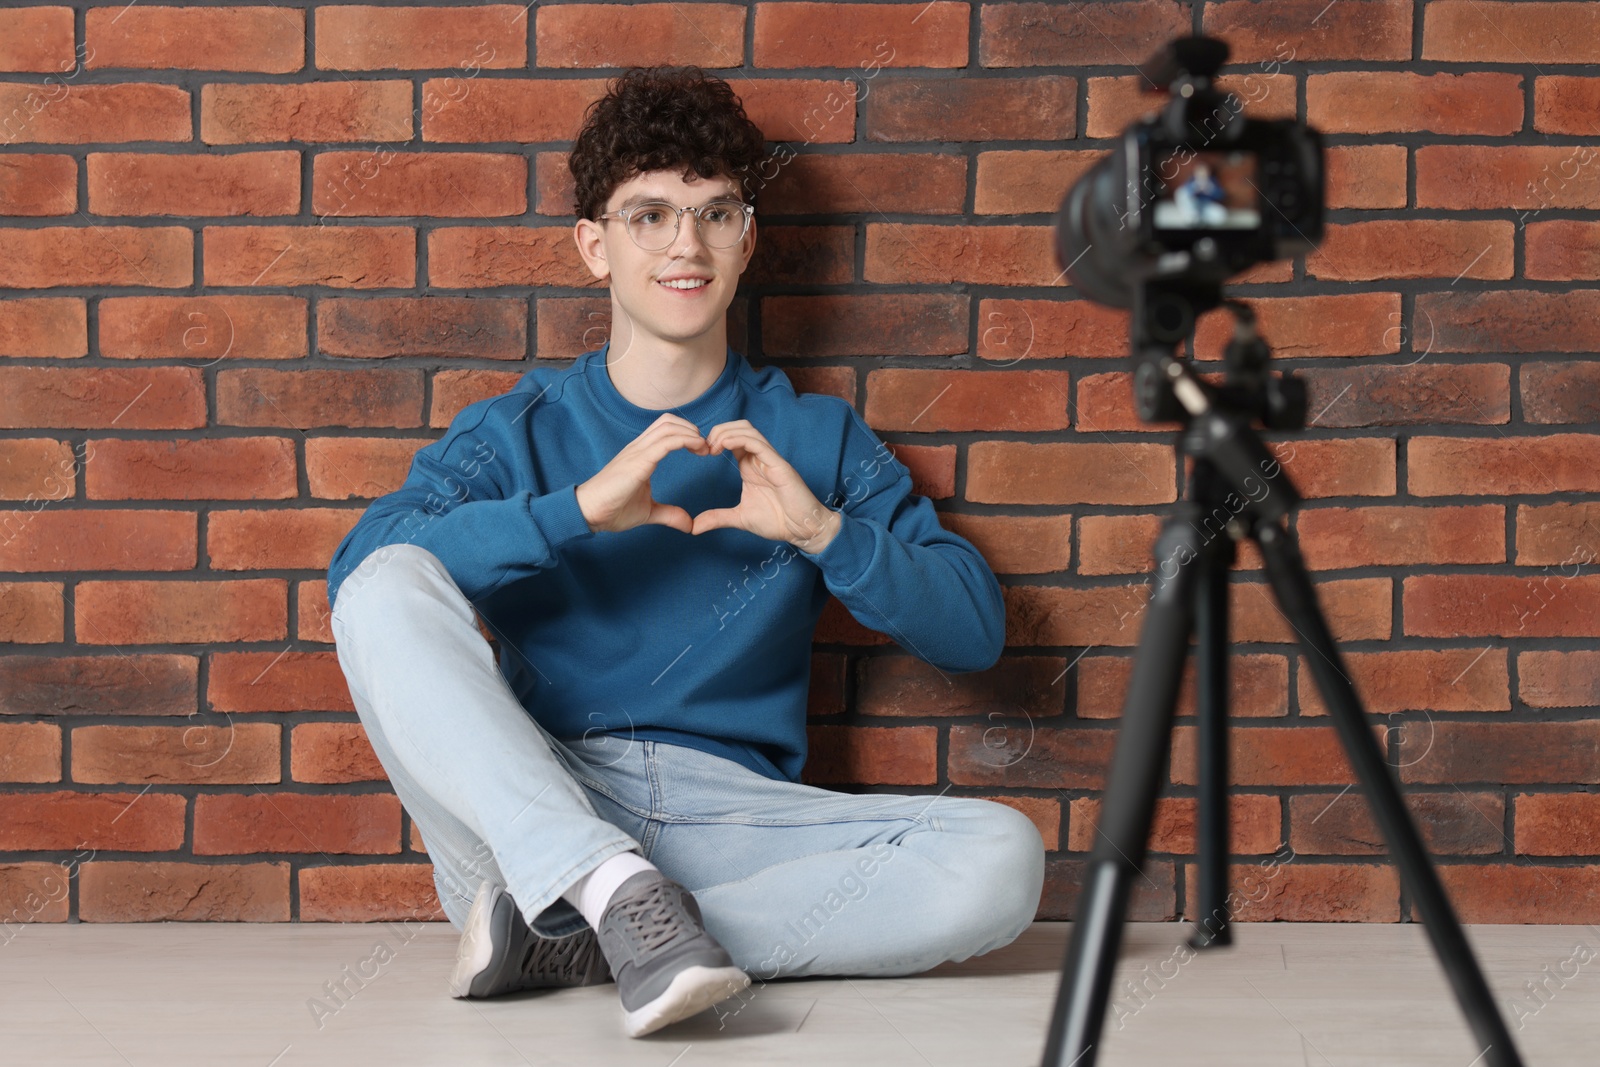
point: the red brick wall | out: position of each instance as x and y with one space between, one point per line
255 256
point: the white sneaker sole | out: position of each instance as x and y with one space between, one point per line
692 990
476 947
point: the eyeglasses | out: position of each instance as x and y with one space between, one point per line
720 224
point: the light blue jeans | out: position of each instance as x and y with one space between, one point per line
792 879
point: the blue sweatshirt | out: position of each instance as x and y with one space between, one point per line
654 634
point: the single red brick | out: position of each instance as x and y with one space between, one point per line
1398 536
234 754
1496 31
368 37
1466 177
1559 679
232 824
1074 617
443 184
37 39
131 398
37 470
258 396
1012 330
469 257
1042 758
198 327
879 755
1564 535
145 612
1450 679
222 468
270 39
78 114
183 892
339 468
1564 103
1016 544
337 110
1288 890
1009 472
1562 250
30 752
818 34
1447 466
341 257
113 684
1307 30
1508 753
274 538
899 324
815 184
1041 107
333 752
1012 694
1487 103
1253 824
1051 35
134 821
1024 181
380 327
1557 824
1365 175
530 110
932 400
640 34
32 613
1258 686
1414 248
60 539
44 327
944 255
453 390
1271 755
1357 609
158 256
1151 898
369 892
1553 604
1513 893
38 184
240 183
1502 322
1451 824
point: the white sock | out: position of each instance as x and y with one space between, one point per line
592 893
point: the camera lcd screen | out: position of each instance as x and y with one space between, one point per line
1207 191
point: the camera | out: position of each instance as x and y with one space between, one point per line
1192 194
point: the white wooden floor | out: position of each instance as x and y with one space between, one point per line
1335 994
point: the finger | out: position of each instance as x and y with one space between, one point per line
748 440
657 447
722 428
670 515
717 519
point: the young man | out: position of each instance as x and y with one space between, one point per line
652 533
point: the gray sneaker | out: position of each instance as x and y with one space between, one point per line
666 965
499 953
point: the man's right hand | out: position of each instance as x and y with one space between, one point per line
618 497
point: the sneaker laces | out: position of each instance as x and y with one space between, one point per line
560 957
656 917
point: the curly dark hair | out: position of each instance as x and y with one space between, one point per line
657 118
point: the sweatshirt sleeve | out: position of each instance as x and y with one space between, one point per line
898 571
455 504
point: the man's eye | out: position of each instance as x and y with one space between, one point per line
718 214
649 216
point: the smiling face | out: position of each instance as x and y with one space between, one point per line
643 307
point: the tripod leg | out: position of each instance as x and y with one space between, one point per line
1212 925
1292 586
1123 829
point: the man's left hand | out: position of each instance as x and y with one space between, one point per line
776 502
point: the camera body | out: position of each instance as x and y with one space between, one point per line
1194 193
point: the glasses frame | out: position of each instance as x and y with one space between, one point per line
747 209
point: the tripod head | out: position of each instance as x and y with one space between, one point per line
1217 417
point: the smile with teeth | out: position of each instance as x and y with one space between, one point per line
686 283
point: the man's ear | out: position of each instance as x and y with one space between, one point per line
592 247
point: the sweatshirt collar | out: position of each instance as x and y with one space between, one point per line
698 411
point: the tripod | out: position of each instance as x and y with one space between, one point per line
1237 486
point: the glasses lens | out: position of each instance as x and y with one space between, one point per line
723 222
654 225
